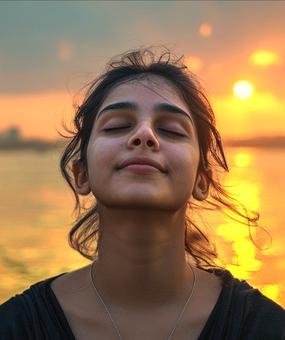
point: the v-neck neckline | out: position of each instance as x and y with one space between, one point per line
65 324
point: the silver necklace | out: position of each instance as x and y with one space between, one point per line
113 322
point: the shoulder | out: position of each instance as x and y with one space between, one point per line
245 307
71 282
20 313
262 317
15 318
266 318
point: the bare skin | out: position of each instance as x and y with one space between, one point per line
141 270
88 318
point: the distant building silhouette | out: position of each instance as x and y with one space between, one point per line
12 134
11 139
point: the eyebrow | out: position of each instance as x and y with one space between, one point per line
130 106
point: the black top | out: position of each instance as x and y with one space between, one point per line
241 313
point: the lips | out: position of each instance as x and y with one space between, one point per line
142 161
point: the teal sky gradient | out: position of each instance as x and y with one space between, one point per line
33 32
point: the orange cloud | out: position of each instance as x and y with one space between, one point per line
36 115
262 114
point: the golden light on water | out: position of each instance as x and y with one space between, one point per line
271 291
243 89
205 30
265 58
242 160
244 260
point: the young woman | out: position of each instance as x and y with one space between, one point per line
145 152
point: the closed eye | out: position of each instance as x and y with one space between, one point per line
116 128
172 132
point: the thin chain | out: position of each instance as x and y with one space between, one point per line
180 316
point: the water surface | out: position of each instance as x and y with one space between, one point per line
36 214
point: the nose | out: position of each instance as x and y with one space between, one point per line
144 137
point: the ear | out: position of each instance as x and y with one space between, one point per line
201 187
82 186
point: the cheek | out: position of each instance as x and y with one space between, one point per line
183 161
101 157
183 168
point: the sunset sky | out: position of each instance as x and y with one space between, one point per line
49 50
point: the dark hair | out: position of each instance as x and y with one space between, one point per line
130 65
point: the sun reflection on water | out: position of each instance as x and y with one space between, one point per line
244 262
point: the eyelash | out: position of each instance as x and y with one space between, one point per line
164 130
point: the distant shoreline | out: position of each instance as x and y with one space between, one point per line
37 145
42 145
259 142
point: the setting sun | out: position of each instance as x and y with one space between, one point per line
243 89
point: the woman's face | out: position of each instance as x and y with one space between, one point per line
143 118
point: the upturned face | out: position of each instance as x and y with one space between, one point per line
143 121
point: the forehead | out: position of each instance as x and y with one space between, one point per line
147 89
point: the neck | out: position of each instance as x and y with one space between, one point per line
141 258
